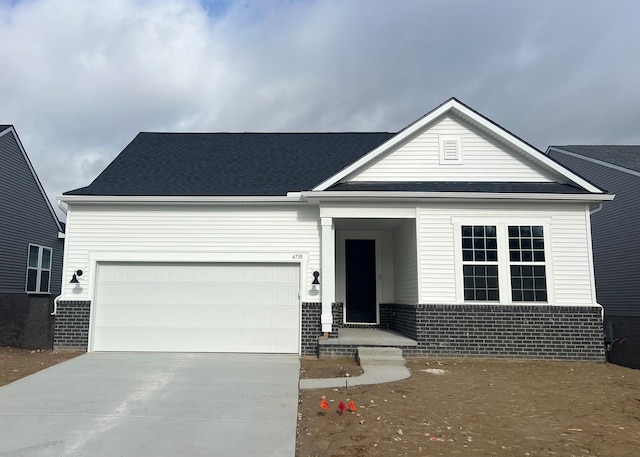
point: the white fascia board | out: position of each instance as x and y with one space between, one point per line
536 155
389 144
98 199
34 174
365 195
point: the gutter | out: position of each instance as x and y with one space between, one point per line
387 195
64 200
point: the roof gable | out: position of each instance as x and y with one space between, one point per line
16 165
450 150
532 162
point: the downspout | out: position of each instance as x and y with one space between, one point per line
55 305
592 211
596 209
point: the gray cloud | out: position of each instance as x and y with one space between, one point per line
81 78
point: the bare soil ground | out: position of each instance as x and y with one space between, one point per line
450 407
17 363
475 408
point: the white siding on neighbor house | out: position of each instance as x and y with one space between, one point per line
182 233
567 245
405 263
419 159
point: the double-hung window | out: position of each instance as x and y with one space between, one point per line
480 262
527 263
503 262
38 269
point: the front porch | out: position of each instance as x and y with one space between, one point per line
349 339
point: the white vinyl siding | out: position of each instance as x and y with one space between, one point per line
183 232
405 263
566 241
420 159
182 307
570 258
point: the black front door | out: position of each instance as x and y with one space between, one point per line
360 269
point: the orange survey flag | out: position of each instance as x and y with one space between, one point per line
351 406
324 404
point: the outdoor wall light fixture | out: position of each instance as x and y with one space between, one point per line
315 278
74 279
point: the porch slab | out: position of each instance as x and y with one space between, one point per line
368 337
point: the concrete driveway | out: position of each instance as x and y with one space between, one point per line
154 404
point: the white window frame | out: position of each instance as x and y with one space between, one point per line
39 269
529 263
504 262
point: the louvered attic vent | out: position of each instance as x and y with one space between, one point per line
450 149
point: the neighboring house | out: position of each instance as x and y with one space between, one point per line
31 250
616 250
452 232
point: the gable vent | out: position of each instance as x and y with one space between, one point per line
450 149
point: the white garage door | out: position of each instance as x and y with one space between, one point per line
196 307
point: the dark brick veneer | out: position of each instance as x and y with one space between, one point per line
72 324
513 331
509 331
311 327
26 321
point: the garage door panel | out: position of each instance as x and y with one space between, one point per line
227 308
183 340
218 317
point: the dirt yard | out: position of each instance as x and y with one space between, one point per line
18 363
476 408
452 408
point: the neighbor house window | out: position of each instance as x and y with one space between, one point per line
38 269
527 263
480 262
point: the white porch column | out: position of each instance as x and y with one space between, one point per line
328 276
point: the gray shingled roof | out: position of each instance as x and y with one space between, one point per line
442 186
221 164
620 155
4 127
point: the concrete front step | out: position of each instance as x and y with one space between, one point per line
379 364
380 356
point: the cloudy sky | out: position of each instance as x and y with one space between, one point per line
80 78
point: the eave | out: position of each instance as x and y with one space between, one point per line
293 197
451 196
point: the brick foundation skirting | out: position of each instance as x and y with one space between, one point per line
624 347
492 331
26 320
511 331
72 325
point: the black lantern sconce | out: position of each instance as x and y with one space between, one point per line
74 279
316 274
